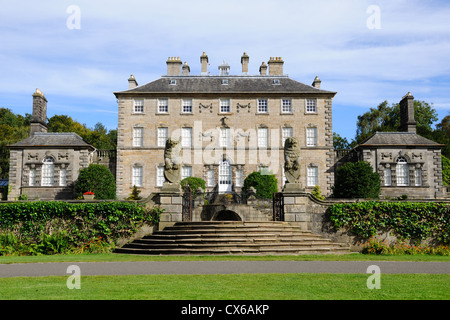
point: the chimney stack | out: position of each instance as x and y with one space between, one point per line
263 69
275 66
174 66
407 121
244 61
132 83
39 116
204 61
186 69
316 83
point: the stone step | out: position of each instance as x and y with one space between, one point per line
233 237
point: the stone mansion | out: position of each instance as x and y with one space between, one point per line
229 125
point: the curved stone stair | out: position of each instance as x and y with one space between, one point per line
233 237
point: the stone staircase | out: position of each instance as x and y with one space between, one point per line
233 237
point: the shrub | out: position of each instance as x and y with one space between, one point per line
376 246
194 183
57 227
356 180
265 184
317 194
135 194
407 220
98 179
446 171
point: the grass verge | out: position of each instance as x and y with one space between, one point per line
104 257
230 287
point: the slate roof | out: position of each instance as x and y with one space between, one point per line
53 139
398 139
236 84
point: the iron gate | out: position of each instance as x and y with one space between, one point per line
187 204
278 206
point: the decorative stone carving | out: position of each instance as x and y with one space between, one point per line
172 161
292 160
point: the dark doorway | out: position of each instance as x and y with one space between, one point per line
226 215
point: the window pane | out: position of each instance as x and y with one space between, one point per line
225 106
137 176
402 174
418 177
311 105
263 137
211 178
262 106
312 178
32 178
187 106
239 180
286 133
48 173
138 106
387 177
163 106
163 134
186 172
311 137
62 177
225 138
286 106
186 137
160 179
138 135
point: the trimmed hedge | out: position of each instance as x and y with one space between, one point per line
408 220
73 223
265 184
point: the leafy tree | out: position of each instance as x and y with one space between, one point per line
446 170
98 179
340 143
386 118
194 183
265 184
356 180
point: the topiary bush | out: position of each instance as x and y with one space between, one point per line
265 184
356 180
98 179
194 183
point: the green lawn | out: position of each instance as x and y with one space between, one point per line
127 257
230 287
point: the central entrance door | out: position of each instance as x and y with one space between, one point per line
224 177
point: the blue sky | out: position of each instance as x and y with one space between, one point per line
366 55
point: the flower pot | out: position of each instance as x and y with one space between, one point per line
88 196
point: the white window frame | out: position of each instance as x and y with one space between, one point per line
387 177
160 178
225 137
311 137
138 136
137 176
187 106
263 106
286 106
263 137
211 178
163 106
239 178
32 178
138 106
311 105
186 172
225 106
162 136
286 132
312 176
48 172
62 177
402 172
418 177
186 137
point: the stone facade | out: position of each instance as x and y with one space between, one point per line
229 126
408 163
45 165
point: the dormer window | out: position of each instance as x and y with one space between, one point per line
276 82
225 81
173 82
